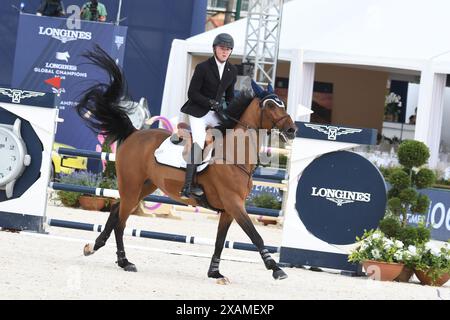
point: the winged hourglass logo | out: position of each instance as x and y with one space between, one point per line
332 131
18 95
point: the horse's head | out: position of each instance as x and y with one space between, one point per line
273 112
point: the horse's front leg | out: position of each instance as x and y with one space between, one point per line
236 208
213 271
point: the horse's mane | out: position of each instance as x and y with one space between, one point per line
235 109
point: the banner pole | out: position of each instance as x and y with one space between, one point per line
118 12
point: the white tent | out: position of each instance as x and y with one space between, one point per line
405 35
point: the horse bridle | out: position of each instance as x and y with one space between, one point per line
273 98
262 104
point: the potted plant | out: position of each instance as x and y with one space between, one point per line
88 201
380 256
410 236
69 198
392 107
80 178
403 197
432 265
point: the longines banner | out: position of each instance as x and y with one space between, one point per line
339 195
48 59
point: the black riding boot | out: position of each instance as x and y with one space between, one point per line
189 187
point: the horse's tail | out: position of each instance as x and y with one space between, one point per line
101 105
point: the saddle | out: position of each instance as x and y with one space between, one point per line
171 152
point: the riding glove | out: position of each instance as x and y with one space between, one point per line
215 106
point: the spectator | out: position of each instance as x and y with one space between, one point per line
51 8
412 118
94 11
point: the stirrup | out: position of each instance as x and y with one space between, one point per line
190 192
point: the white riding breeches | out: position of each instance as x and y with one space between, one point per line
199 125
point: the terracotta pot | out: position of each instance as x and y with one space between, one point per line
92 203
405 275
426 280
383 271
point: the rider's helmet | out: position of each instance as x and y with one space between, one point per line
224 39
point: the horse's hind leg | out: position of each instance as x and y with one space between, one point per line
127 206
113 219
129 203
224 224
237 209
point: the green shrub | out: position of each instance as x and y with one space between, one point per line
424 178
390 226
403 197
409 235
68 198
265 200
399 179
412 154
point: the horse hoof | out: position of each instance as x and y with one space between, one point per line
130 268
88 249
223 281
279 274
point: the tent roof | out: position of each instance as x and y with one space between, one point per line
402 34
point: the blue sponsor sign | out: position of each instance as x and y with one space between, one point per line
339 195
48 48
29 98
438 215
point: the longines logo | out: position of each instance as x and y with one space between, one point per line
332 131
65 35
119 41
18 95
340 197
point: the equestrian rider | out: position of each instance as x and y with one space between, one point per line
213 79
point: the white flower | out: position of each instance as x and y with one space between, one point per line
406 254
376 236
376 254
435 252
398 244
392 98
364 246
398 255
388 243
412 250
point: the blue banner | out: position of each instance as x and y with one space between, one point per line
48 59
438 215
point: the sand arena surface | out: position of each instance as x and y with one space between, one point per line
52 266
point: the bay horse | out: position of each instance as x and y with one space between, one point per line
226 185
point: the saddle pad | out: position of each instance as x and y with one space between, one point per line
171 155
